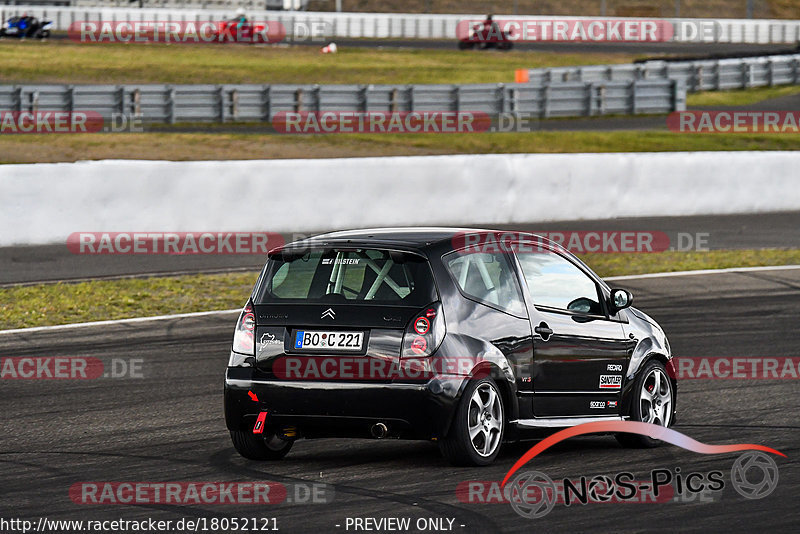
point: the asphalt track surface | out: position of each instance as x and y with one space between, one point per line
167 426
47 263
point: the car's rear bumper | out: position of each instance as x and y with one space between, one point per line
420 410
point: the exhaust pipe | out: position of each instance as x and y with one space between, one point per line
379 431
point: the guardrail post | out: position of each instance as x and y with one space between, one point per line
410 98
746 75
33 102
590 103
610 73
500 97
363 104
298 100
793 64
601 98
16 99
266 103
697 79
220 97
634 109
770 73
546 101
393 100
717 76
234 104
119 99
456 98
678 95
170 107
69 99
136 102
315 91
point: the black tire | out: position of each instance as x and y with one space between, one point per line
636 406
260 447
457 447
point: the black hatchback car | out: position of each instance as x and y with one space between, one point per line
466 337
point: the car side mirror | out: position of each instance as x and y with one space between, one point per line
619 300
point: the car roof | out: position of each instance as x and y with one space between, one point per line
407 237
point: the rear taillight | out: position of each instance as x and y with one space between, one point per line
244 335
424 332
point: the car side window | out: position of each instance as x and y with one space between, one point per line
555 282
488 278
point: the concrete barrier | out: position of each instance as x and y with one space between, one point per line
44 203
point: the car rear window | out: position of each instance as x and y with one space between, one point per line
369 276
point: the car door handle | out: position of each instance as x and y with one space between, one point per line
544 330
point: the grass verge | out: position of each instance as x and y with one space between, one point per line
672 261
63 303
44 148
213 63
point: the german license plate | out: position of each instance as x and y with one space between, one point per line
325 340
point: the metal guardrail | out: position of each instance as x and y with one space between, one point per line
699 75
389 25
221 103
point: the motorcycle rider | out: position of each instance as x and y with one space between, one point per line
490 27
241 18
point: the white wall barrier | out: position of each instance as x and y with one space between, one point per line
44 203
404 25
